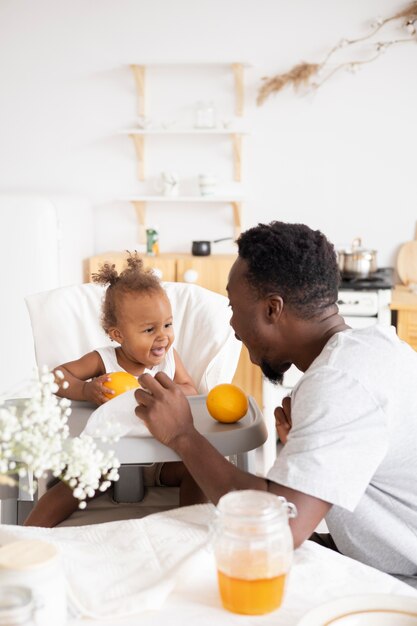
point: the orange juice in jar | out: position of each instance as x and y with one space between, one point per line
253 549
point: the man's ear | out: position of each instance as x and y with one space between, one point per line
115 334
274 308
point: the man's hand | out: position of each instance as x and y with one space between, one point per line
283 421
164 409
94 391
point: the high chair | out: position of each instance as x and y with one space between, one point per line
66 324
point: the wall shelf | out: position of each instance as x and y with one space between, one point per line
138 136
139 72
208 198
139 202
183 131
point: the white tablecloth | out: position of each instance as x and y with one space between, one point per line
160 570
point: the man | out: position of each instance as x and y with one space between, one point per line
351 425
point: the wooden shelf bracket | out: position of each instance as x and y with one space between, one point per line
237 155
237 217
139 74
140 210
139 141
237 69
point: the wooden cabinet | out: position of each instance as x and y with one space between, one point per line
405 303
210 272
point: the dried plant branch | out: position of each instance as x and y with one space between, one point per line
410 12
301 74
381 46
348 65
298 76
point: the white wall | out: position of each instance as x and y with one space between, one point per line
41 247
343 160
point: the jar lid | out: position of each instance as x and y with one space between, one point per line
27 554
252 504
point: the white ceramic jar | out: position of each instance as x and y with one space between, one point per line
253 548
207 184
37 565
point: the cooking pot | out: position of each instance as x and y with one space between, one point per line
357 261
203 248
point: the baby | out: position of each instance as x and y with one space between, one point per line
137 315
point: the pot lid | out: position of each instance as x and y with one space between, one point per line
357 247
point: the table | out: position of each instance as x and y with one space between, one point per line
97 556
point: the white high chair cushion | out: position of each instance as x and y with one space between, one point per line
66 325
204 338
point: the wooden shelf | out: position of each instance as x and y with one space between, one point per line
139 203
236 136
139 72
138 136
192 64
183 131
208 198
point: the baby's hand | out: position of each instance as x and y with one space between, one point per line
94 391
283 421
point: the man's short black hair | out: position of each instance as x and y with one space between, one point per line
294 261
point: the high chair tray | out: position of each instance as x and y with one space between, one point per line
247 434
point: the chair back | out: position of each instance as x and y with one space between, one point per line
66 324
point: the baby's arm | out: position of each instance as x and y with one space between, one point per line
78 373
182 377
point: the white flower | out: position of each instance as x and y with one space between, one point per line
34 439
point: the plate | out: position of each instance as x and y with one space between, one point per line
364 610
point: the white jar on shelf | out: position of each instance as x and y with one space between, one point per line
205 115
207 184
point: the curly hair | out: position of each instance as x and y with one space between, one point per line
293 260
133 279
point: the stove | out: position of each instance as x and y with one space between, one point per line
383 278
366 301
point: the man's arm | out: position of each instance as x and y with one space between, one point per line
167 414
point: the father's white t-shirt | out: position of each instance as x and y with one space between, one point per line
353 443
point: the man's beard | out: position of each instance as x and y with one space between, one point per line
275 376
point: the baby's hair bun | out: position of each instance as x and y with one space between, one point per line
106 275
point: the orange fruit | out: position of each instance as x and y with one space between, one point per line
120 382
227 403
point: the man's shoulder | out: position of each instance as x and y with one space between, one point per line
356 344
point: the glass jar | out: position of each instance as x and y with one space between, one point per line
36 565
16 606
205 115
253 549
152 241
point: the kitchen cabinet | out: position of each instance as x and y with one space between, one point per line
140 136
210 272
404 302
